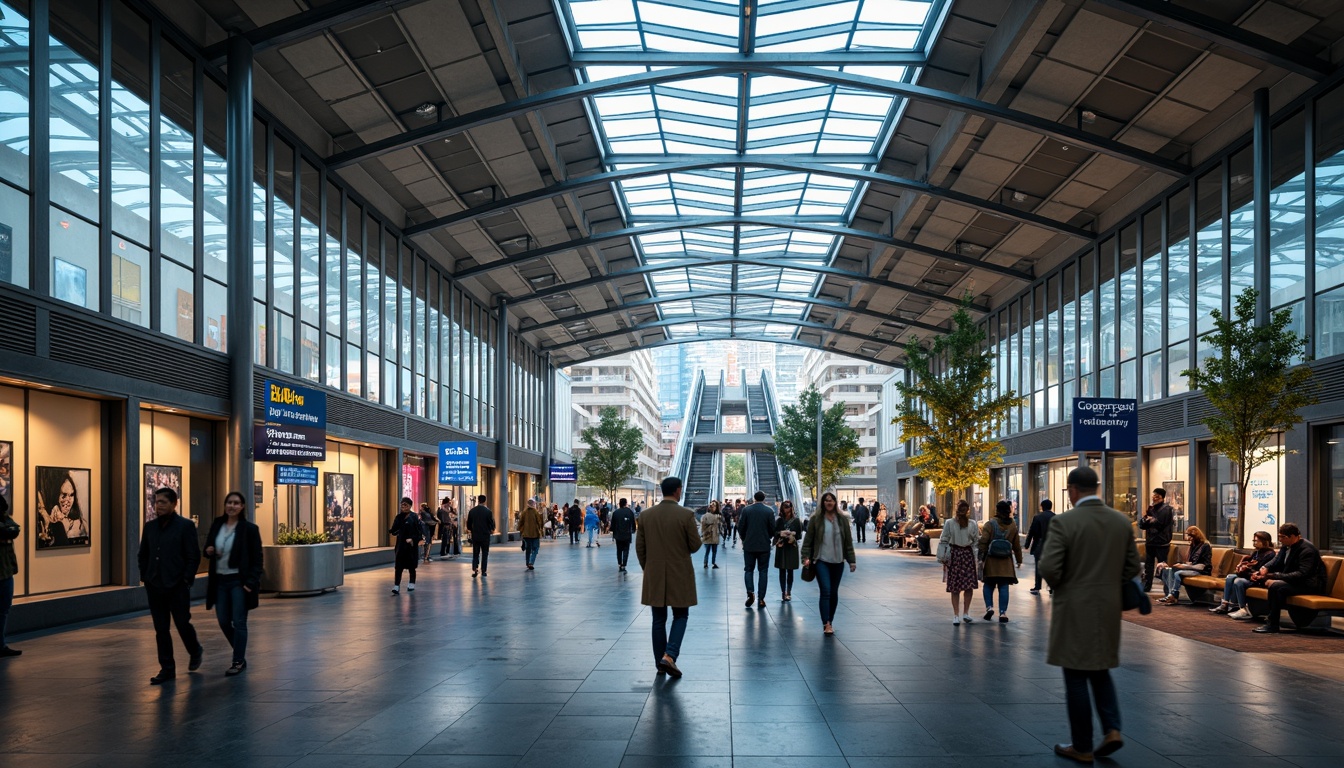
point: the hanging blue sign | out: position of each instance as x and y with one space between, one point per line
564 473
295 427
457 463
290 474
1105 424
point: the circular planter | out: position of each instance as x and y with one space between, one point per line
303 568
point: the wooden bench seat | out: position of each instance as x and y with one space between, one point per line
1225 559
1303 609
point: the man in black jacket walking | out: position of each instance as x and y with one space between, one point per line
861 515
1157 524
623 531
1040 528
1296 570
480 524
169 556
756 528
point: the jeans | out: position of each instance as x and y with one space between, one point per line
480 554
396 574
759 562
6 600
1172 578
1003 597
231 611
592 534
530 549
1234 590
711 554
1080 709
663 643
786 580
828 583
169 607
622 553
1155 554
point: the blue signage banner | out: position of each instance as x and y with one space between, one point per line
1105 424
295 426
564 473
457 463
289 474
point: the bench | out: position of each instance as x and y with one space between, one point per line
1304 609
1225 560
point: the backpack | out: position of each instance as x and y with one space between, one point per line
999 546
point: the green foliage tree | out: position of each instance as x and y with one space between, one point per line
1255 385
949 407
796 441
734 470
612 454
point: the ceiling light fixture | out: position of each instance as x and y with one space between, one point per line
1019 196
427 110
1087 116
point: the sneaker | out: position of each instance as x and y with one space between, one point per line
1240 615
396 590
966 618
1035 591
714 567
410 587
989 614
238 666
956 620
706 566
1003 618
1224 608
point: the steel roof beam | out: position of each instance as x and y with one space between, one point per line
669 342
1064 133
669 266
303 25
657 324
1169 14
727 221
826 59
667 298
748 161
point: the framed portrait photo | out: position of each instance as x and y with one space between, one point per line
64 509
339 506
161 476
7 473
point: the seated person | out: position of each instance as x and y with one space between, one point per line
1234 588
886 540
1198 562
1296 570
912 531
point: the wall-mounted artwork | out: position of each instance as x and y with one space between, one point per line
339 507
7 474
161 476
64 508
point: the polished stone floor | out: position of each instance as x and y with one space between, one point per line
551 669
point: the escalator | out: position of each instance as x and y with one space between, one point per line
699 479
707 415
767 475
756 410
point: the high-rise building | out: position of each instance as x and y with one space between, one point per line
627 382
859 386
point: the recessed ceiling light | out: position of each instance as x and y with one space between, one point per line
427 110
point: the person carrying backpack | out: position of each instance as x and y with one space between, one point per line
999 546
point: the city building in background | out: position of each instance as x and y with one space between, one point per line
628 383
859 386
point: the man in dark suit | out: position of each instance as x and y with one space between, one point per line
622 532
861 515
1040 528
1296 570
666 539
481 525
756 528
1088 556
1157 524
169 556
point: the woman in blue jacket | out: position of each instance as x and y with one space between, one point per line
591 523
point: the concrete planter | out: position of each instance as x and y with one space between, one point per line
303 568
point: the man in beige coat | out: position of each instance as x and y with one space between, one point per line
664 542
529 527
1088 557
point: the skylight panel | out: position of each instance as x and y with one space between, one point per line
855 104
784 130
688 18
601 12
697 107
883 38
599 39
629 103
638 147
895 12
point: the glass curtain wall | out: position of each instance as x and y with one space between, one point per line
135 225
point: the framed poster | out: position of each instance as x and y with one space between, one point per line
161 476
1176 498
70 282
64 509
339 506
7 473
1228 494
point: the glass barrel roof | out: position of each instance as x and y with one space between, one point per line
781 119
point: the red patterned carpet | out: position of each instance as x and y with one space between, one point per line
1196 623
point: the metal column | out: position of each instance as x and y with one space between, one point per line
502 515
239 196
1260 163
547 421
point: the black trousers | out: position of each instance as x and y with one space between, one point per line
169 607
622 553
573 534
1154 554
860 531
480 554
1279 592
1080 709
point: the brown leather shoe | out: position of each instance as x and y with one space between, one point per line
1110 744
669 665
1067 750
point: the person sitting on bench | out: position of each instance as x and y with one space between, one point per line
1296 570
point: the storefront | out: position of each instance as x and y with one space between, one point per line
1168 467
347 502
1332 494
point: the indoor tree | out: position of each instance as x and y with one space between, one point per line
796 441
949 406
1255 384
612 454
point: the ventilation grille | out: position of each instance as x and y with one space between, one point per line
112 350
1041 440
1161 417
357 414
19 321
1329 380
426 432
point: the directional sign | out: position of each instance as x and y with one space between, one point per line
564 473
1105 424
457 463
295 427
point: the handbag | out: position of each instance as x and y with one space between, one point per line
809 572
1132 596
